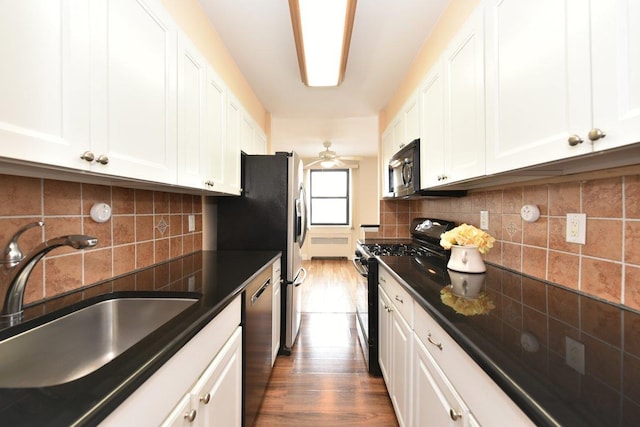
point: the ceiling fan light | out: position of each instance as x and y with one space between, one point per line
322 32
327 164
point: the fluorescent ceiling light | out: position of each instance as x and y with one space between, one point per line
322 31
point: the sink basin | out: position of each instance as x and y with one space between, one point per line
79 343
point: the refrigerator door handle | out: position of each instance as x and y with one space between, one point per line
296 281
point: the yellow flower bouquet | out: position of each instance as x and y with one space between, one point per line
482 304
466 234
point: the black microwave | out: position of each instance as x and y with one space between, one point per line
404 170
404 176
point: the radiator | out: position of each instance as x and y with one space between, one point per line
330 247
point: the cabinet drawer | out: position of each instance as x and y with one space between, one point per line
398 295
466 376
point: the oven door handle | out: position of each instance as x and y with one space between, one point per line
359 267
296 280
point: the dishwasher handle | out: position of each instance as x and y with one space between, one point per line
260 291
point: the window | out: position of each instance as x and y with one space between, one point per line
329 197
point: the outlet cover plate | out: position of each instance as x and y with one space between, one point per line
484 220
577 228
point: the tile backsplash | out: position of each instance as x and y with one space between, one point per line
146 227
607 266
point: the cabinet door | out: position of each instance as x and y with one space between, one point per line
432 137
401 367
246 134
181 415
213 153
45 81
192 96
399 139
615 39
538 81
232 146
133 97
260 141
436 403
464 102
411 118
387 152
384 334
218 394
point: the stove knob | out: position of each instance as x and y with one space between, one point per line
358 254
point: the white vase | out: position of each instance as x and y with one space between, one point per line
466 285
466 259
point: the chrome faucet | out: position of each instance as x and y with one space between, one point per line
18 267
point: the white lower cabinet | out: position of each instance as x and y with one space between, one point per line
396 344
437 402
465 394
431 380
216 399
203 381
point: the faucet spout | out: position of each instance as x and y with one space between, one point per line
18 276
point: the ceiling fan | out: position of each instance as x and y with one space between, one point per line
329 159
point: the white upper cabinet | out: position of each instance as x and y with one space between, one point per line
192 109
133 97
232 146
432 144
213 152
463 77
615 41
45 81
246 134
538 82
411 118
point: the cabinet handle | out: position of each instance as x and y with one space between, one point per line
102 159
399 299
206 398
595 134
575 140
88 156
381 279
454 415
190 416
437 344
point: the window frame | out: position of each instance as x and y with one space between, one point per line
347 198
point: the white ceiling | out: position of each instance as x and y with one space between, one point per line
387 36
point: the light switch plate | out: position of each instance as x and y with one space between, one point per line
576 228
192 223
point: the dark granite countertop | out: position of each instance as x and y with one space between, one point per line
214 277
539 380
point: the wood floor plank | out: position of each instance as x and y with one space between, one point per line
324 382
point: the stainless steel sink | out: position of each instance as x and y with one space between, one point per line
79 343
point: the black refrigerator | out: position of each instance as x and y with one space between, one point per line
271 215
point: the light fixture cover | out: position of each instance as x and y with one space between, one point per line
322 32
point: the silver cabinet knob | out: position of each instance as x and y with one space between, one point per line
437 344
209 183
399 299
454 415
88 156
190 416
575 140
102 159
595 134
206 398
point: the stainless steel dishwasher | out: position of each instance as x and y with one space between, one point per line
257 345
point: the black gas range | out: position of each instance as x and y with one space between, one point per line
429 256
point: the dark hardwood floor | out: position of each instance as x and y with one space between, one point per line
325 382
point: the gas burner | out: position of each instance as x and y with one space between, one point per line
398 249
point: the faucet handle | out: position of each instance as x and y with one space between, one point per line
12 253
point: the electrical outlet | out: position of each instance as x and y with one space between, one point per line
576 228
191 283
484 220
192 223
574 354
